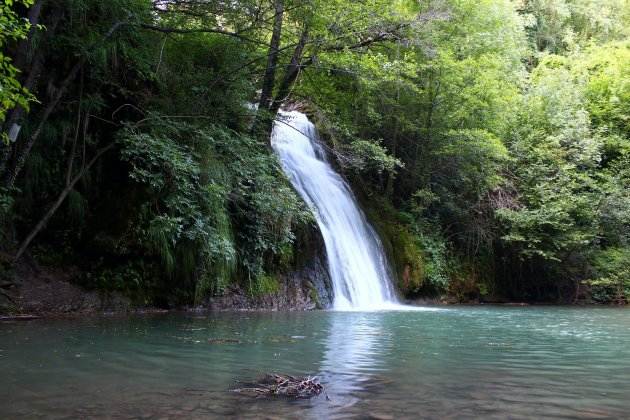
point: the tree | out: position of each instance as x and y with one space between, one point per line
12 28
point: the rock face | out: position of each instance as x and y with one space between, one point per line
306 287
316 277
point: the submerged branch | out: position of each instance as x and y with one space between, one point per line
279 385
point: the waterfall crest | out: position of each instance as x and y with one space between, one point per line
358 267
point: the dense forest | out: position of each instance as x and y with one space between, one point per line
488 142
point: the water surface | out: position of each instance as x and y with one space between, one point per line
480 362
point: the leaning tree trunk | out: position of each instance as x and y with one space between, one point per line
272 58
291 74
284 89
60 199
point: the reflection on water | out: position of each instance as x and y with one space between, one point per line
354 344
464 362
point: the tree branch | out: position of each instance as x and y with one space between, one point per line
168 30
62 196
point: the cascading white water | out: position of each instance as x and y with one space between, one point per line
358 266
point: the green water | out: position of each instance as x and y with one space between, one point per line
465 362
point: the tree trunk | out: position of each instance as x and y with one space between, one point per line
393 146
291 74
73 149
391 176
272 57
21 55
262 115
32 72
22 155
62 196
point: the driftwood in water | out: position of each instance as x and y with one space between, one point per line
18 317
278 385
223 341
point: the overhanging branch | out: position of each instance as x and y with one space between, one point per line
169 30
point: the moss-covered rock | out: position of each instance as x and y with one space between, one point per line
401 246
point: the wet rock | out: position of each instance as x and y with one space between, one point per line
308 286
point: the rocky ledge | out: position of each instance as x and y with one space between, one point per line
304 289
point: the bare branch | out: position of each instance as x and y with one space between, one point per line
167 30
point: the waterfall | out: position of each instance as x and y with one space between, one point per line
358 266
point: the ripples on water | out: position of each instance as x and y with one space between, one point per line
462 362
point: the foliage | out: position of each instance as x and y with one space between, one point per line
555 148
521 165
12 28
612 281
203 181
6 211
364 155
265 285
557 26
489 141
